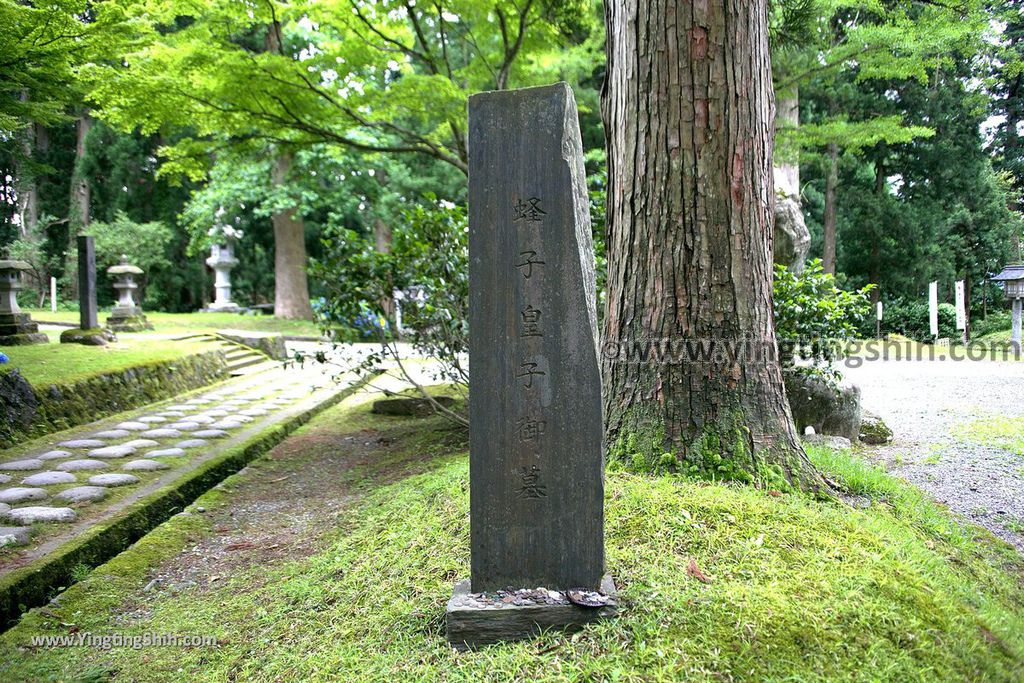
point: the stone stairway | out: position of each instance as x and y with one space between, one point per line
241 359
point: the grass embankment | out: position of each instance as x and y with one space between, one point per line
55 363
718 582
165 323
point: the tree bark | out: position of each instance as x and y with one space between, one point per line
291 288
828 257
80 192
689 119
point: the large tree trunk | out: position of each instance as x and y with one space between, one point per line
291 288
80 193
689 110
828 257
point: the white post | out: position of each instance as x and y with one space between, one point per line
933 308
878 321
53 294
961 309
1015 334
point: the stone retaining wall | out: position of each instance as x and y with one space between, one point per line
28 412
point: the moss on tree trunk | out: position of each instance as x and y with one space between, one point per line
689 114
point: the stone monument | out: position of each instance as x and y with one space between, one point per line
222 260
16 327
536 437
89 333
127 315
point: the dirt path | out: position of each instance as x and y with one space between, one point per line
933 408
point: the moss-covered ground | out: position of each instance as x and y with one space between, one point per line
55 363
332 559
164 323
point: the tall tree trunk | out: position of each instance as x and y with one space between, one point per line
80 192
787 171
291 288
828 257
688 110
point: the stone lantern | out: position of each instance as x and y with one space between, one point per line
16 328
222 260
127 315
1012 278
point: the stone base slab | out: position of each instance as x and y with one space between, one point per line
470 624
128 323
94 337
23 339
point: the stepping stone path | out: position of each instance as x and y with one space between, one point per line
168 452
144 466
14 535
55 455
133 426
216 413
162 433
225 424
83 494
153 419
253 412
48 478
141 443
85 464
201 419
112 434
113 479
31 515
82 443
184 426
20 494
21 465
112 452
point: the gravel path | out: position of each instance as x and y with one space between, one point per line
924 402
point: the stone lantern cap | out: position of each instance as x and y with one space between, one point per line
1014 271
124 268
7 264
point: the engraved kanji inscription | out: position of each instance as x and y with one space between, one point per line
526 267
530 483
527 372
529 429
529 211
531 322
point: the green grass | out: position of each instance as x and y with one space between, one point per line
55 363
1000 431
799 590
197 322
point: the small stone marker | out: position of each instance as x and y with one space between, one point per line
127 315
536 439
16 326
89 332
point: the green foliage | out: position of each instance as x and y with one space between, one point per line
145 245
910 318
812 314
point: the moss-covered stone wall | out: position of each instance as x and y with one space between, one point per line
27 411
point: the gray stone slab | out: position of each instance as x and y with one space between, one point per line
113 479
55 455
210 434
471 622
48 478
153 419
4 507
4 478
132 426
81 465
112 452
161 433
21 465
169 452
253 412
82 443
226 424
20 494
172 413
190 443
217 412
144 466
239 418
88 313
112 434
198 401
83 494
141 443
186 426
201 419
40 513
179 407
536 433
14 535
